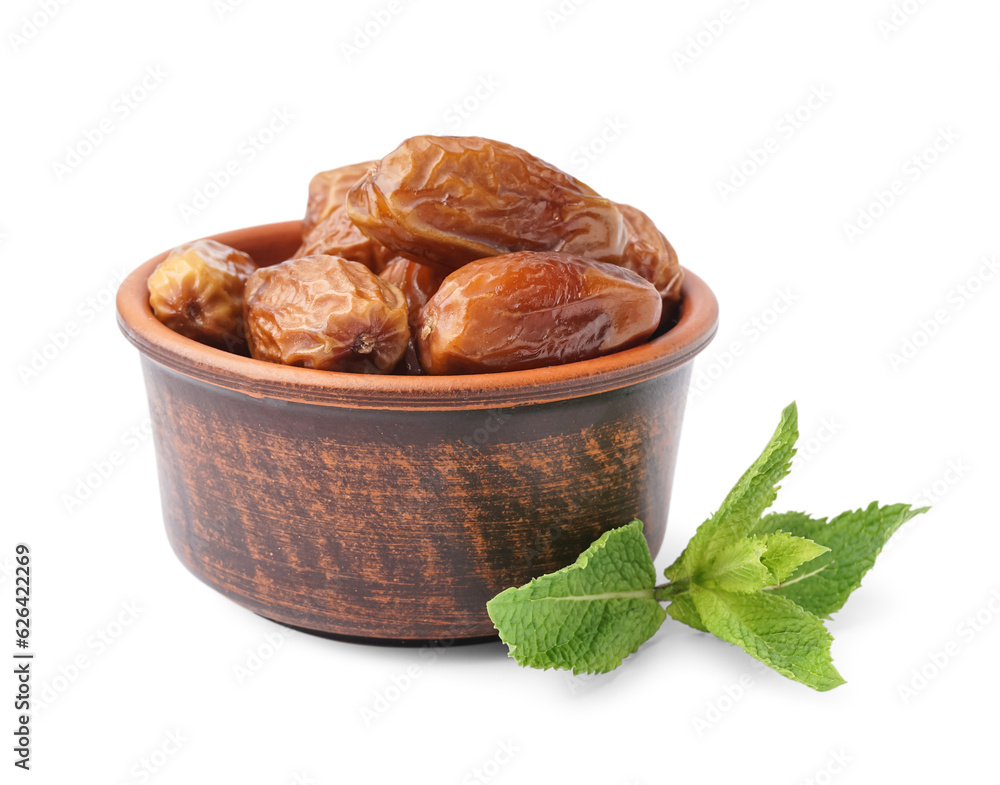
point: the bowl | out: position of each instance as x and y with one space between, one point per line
389 509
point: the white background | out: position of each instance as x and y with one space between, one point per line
601 89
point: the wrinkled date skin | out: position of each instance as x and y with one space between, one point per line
532 309
197 291
328 313
418 283
651 256
328 190
336 235
449 200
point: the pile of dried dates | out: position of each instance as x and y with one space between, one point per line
451 255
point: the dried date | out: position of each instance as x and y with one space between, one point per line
650 255
336 235
328 313
418 283
197 291
532 309
449 200
328 190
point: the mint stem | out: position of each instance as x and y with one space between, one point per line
667 591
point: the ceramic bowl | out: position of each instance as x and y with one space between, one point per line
391 508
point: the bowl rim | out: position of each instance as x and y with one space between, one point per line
695 328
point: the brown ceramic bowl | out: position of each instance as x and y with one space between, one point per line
391 508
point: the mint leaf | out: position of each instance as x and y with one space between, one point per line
682 609
855 539
588 616
754 563
759 582
736 567
740 513
773 630
785 553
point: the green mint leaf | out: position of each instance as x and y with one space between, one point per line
740 513
682 609
773 630
855 539
785 553
736 567
759 582
756 562
747 565
586 617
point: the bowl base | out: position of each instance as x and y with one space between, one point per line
414 643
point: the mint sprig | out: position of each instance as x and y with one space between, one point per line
761 582
588 616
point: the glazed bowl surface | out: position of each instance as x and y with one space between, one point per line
391 508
